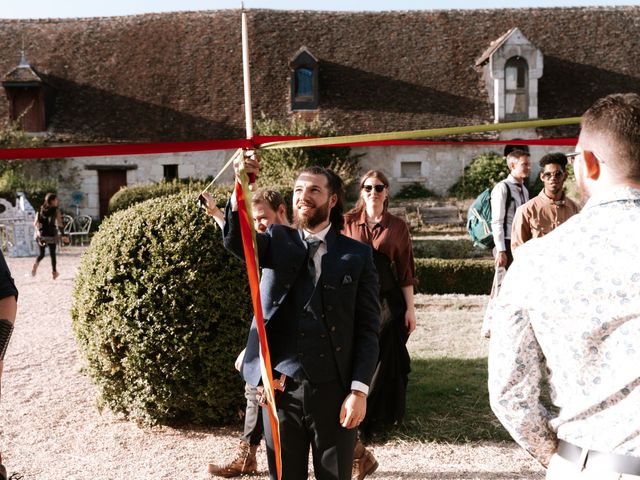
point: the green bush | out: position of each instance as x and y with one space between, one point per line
450 249
484 171
280 167
160 311
128 196
12 181
12 136
468 276
414 190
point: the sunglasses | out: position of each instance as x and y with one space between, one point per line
572 157
549 175
378 188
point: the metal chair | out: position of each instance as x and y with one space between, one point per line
67 227
82 225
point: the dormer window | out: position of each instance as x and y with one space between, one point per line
304 81
26 92
516 89
511 67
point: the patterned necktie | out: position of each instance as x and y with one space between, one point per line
312 245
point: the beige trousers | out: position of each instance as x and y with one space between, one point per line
561 469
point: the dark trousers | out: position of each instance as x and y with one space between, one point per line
507 244
253 428
52 254
309 416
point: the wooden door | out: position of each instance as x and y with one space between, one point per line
109 182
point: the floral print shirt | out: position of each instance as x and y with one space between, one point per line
570 306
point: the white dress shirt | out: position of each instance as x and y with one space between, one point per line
317 260
519 195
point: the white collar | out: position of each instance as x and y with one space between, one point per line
512 179
319 235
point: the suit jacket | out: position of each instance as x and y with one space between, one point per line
349 289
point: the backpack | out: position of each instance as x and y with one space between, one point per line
479 219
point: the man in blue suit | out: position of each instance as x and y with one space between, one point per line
319 294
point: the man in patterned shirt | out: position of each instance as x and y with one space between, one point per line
570 307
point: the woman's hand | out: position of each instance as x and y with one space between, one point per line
410 320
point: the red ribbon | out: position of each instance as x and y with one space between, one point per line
208 145
250 255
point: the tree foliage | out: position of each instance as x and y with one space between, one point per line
279 167
484 171
15 174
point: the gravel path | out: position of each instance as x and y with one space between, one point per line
51 428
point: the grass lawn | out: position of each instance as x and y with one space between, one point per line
447 399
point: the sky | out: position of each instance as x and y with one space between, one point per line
99 8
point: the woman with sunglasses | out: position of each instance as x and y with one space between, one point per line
370 222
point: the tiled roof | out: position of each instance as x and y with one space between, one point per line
22 74
178 76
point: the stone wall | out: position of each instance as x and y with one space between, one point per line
440 166
141 169
435 167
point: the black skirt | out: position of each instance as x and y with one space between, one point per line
386 402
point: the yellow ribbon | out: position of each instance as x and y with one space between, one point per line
416 134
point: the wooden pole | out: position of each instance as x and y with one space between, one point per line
248 116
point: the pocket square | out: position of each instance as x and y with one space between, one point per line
346 280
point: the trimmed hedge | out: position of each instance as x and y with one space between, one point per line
160 311
439 248
129 196
466 276
414 190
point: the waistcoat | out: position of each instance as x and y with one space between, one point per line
299 342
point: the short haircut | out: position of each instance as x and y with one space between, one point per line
613 123
334 183
554 159
510 148
515 155
270 197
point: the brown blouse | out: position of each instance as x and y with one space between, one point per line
390 236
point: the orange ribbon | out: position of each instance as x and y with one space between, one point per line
250 249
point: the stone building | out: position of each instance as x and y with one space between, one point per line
178 77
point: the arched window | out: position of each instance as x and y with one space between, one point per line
516 89
304 81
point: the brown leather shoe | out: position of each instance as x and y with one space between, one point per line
244 463
364 463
